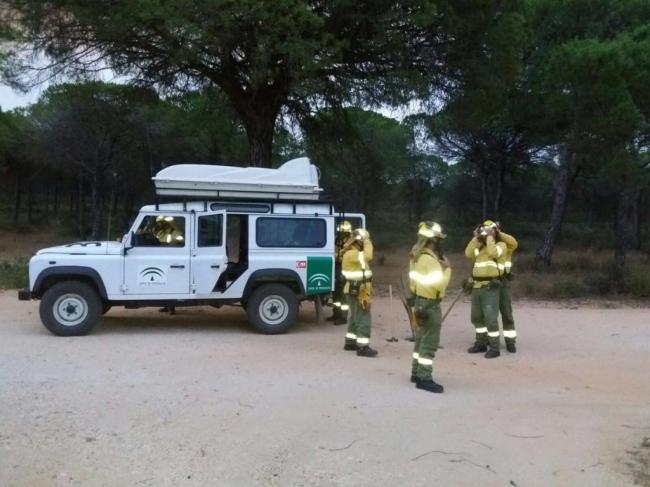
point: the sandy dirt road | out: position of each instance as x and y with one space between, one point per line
197 399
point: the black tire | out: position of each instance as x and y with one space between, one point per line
268 301
74 300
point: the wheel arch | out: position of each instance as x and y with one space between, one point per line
48 277
273 276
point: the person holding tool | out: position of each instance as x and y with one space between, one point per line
505 303
429 276
339 307
357 254
485 250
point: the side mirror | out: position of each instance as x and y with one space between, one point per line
128 242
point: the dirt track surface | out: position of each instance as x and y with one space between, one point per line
196 399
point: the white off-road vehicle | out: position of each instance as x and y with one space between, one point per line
259 238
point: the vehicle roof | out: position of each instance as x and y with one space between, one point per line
315 208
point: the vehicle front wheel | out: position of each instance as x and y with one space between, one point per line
70 308
272 309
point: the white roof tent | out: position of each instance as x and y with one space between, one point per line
294 180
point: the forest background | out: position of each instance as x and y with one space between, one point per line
535 113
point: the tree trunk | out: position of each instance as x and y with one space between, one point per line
17 200
30 202
562 186
81 207
259 111
626 219
112 205
71 207
127 208
638 223
260 133
484 196
48 190
96 202
55 209
498 193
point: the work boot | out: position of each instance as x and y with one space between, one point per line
477 348
331 318
350 346
366 352
511 347
414 379
492 353
339 321
429 385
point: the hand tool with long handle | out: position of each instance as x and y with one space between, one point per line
393 338
460 293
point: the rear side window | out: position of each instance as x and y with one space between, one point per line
210 231
291 232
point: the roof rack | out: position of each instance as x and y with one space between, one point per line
295 180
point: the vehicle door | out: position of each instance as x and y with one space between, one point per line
208 259
158 257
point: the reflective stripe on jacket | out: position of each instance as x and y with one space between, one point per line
427 278
511 246
485 258
355 264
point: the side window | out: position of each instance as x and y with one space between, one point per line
291 232
355 221
160 231
210 231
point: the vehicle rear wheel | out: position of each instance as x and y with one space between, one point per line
70 308
272 309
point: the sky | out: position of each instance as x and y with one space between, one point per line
10 99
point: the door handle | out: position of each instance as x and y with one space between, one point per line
214 266
177 266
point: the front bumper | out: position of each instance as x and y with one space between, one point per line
24 295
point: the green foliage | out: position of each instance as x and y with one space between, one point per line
359 153
264 56
14 275
509 90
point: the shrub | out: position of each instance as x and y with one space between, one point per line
637 282
14 274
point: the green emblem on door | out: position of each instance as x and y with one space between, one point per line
319 275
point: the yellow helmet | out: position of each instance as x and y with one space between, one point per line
430 230
344 227
489 224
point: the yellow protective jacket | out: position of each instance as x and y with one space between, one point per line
505 262
427 278
486 259
355 264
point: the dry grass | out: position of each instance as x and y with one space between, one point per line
573 274
14 275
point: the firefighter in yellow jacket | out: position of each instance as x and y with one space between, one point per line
355 264
486 251
429 276
505 303
339 307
